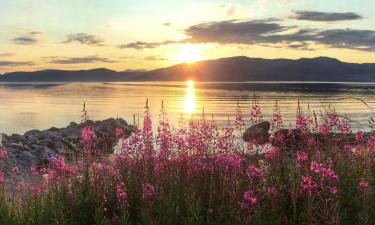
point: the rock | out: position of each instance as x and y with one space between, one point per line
42 153
32 133
36 146
258 133
16 138
27 159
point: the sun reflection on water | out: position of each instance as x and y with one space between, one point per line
190 101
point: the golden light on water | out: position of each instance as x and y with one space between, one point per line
189 101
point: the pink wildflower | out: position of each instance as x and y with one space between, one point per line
272 192
34 171
333 190
301 156
323 129
371 143
359 136
119 132
121 193
363 184
3 153
148 191
249 200
307 183
254 171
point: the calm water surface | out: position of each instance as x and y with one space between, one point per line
43 105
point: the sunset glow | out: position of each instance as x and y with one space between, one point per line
190 53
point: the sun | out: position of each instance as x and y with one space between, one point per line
190 53
190 83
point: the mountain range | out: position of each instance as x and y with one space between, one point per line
233 69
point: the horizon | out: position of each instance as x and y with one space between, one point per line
182 63
121 35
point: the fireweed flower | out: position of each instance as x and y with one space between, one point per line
301 156
34 171
345 128
118 132
3 153
249 200
333 190
148 192
324 130
15 170
254 172
359 136
307 183
363 184
272 191
371 143
272 154
121 193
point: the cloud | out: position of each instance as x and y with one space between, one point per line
143 45
155 58
6 54
235 32
24 40
270 32
15 63
348 38
325 16
78 60
84 38
28 38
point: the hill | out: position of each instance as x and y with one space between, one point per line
238 69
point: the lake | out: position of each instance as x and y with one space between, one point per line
25 106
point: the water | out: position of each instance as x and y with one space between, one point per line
28 106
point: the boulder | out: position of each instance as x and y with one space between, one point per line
36 146
257 133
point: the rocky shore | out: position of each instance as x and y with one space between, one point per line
35 146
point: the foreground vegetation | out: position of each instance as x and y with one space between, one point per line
200 174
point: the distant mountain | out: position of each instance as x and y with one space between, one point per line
94 75
225 69
258 69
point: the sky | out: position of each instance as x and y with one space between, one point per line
135 34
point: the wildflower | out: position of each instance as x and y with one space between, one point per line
121 193
272 192
333 190
307 183
345 128
272 154
363 184
34 171
301 156
2 178
256 113
315 167
371 143
148 191
15 170
348 148
118 132
359 136
249 200
254 171
3 153
323 129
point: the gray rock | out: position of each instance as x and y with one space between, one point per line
32 133
257 133
28 159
